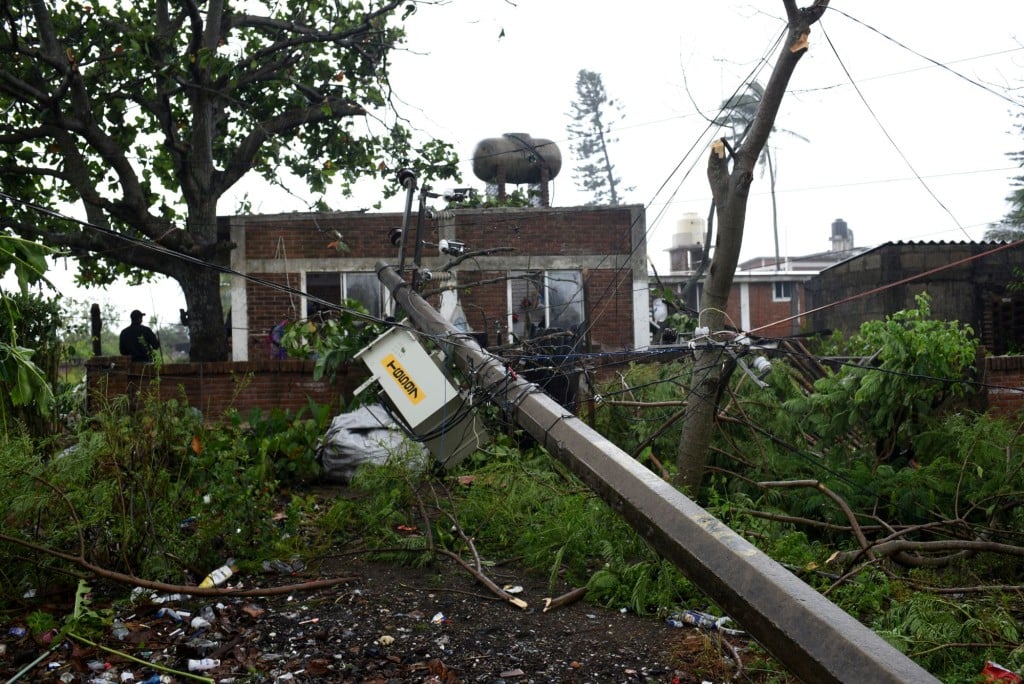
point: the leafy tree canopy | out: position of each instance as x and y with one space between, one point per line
145 114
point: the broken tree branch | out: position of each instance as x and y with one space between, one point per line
131 580
565 599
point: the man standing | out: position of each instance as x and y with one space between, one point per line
138 341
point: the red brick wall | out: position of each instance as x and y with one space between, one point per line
1004 377
586 232
268 307
214 388
767 316
572 231
309 236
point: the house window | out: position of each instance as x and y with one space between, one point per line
335 288
782 292
544 299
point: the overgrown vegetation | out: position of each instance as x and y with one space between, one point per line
902 506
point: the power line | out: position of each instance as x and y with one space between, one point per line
883 288
878 121
935 62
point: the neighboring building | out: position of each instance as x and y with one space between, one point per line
977 284
970 282
579 268
768 294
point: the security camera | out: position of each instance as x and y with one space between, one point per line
452 247
395 236
458 194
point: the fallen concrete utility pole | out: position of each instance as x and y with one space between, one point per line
812 637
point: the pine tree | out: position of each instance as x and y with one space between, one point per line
590 137
1012 226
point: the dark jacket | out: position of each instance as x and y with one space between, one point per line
138 342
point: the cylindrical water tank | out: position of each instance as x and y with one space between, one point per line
840 229
689 231
519 156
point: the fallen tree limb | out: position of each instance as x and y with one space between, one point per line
565 599
958 546
191 590
485 580
851 517
476 570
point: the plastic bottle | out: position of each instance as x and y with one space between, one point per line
219 576
692 618
119 630
170 613
202 664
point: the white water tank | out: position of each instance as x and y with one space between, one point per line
690 231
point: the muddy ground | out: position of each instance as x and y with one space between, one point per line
385 623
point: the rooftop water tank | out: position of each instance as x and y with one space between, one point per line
516 158
689 231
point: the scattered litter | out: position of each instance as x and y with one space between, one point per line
512 589
385 640
199 622
202 664
220 575
119 630
366 435
172 614
513 673
252 610
705 621
281 567
439 619
994 672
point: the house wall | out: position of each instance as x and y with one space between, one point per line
752 307
607 243
871 286
1004 380
213 388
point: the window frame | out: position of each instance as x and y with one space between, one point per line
785 294
576 303
384 304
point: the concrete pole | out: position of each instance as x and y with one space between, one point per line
812 637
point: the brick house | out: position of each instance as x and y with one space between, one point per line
970 282
531 268
767 294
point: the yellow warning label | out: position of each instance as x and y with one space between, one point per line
402 379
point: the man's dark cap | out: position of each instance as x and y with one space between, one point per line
137 314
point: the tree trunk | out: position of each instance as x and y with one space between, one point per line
200 284
730 191
208 340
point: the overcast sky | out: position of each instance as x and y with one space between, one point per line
865 146
898 146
